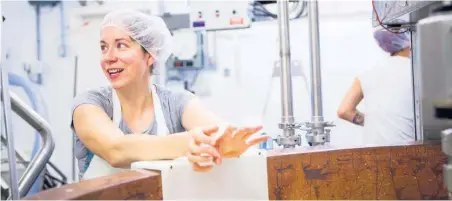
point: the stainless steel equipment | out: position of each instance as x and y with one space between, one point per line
317 132
443 110
289 138
38 163
433 69
447 168
7 127
433 80
10 102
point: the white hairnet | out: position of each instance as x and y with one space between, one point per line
150 32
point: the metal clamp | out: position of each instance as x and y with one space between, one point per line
317 132
288 141
290 125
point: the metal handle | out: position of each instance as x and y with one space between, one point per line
39 162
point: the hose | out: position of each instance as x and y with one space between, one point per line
298 10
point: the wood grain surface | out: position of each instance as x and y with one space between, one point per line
411 171
129 185
390 173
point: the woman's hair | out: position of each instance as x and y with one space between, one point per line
392 43
149 31
151 68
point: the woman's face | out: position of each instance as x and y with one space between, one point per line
123 60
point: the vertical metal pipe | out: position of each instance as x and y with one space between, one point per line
316 76
286 77
14 187
38 32
73 139
62 48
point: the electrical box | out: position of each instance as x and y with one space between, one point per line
219 15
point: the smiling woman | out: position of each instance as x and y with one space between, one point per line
109 122
129 50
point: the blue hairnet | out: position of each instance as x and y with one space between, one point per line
149 31
392 42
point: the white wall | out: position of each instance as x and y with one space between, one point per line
347 48
19 42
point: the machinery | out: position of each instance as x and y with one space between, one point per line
215 16
187 70
202 17
206 15
441 95
447 149
317 129
430 25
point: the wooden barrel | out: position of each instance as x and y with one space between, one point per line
409 171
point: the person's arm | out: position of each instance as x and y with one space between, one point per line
231 142
99 134
347 110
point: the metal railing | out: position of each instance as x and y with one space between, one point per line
39 162
12 102
7 127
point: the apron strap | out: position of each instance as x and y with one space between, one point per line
162 128
159 118
117 115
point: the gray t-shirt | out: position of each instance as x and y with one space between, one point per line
173 104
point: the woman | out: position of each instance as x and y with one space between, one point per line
387 90
109 122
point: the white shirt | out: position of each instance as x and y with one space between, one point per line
388 98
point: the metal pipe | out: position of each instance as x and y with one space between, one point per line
62 48
286 77
6 104
38 31
316 76
39 162
73 140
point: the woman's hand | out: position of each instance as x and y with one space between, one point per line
234 142
202 150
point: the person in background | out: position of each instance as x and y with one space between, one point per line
387 93
134 120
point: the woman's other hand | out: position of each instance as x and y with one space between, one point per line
234 142
202 150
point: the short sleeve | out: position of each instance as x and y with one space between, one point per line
180 100
98 97
174 103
